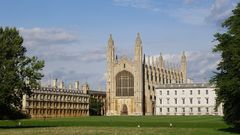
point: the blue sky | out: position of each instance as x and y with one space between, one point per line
71 35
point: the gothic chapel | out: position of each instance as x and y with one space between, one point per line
131 82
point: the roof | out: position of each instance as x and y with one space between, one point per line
186 85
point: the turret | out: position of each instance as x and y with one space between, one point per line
85 88
138 49
153 61
161 61
184 67
110 50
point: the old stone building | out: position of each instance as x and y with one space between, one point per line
130 82
57 101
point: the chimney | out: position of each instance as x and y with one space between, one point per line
76 85
70 86
61 86
85 88
54 83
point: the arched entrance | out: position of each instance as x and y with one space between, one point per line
124 110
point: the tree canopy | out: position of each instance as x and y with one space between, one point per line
95 106
227 77
18 73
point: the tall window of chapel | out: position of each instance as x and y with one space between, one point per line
124 84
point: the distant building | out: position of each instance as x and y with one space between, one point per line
99 95
131 82
186 99
56 101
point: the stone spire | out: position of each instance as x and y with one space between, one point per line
110 50
138 40
184 67
148 60
110 41
138 49
153 61
161 61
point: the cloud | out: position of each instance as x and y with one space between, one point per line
66 55
70 76
188 1
195 16
46 36
142 4
55 44
96 55
195 12
219 11
202 65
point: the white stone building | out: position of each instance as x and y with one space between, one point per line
186 99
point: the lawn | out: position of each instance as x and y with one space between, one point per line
181 125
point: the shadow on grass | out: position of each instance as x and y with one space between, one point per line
231 130
14 127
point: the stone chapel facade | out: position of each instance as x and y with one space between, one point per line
131 82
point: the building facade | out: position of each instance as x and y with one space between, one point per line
48 102
186 99
131 82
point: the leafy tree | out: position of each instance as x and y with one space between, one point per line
95 106
18 73
227 77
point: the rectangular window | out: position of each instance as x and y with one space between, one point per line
168 100
175 110
160 101
183 92
168 110
175 100
191 100
199 100
183 100
190 92
206 100
175 92
167 92
206 92
199 109
160 109
191 109
198 92
183 110
207 109
160 92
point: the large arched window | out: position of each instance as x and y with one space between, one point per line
124 84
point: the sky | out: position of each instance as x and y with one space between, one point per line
71 35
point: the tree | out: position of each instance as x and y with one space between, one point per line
227 77
18 73
95 106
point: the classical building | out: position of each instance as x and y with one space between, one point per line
57 101
130 88
186 99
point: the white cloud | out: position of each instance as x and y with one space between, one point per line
142 4
46 36
67 57
219 11
191 12
195 16
202 65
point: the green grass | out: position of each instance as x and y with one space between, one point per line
182 125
